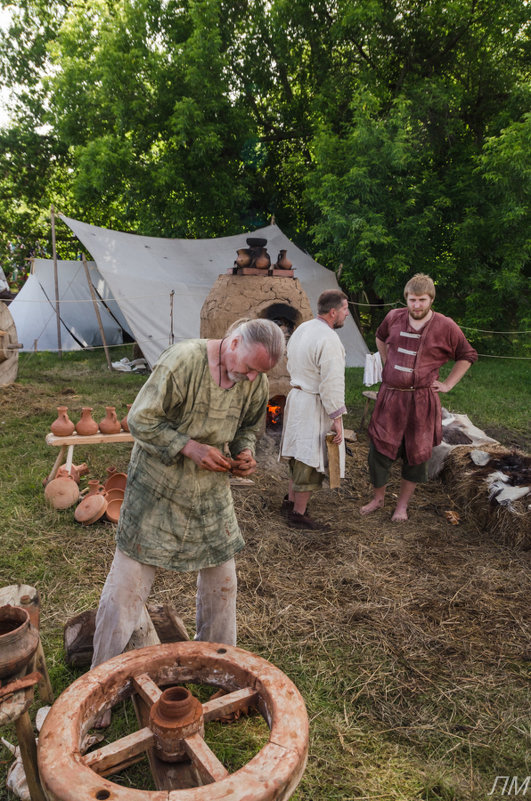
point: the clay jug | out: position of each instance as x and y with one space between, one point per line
18 640
94 487
110 423
123 422
76 471
87 425
283 263
243 259
262 261
63 426
62 492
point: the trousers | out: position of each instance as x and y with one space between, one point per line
126 590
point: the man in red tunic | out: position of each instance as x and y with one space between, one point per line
413 343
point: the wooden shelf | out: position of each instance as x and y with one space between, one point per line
93 439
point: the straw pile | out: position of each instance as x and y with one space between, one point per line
509 524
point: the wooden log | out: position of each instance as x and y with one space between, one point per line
334 471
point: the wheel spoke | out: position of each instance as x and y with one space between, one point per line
204 759
116 756
146 688
219 707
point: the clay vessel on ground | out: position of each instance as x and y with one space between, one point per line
114 494
123 422
62 492
86 425
116 481
76 471
62 426
18 640
110 423
112 513
91 509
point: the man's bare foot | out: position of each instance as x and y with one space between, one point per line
372 506
399 515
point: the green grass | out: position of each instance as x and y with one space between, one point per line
385 723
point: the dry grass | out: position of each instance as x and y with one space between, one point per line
409 642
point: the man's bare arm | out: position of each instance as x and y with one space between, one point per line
382 350
456 374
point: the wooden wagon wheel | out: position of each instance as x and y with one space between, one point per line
8 346
273 773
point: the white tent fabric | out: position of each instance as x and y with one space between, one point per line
33 309
142 271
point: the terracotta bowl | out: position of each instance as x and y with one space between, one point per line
91 509
116 481
112 513
114 494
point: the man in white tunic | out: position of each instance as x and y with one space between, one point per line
315 405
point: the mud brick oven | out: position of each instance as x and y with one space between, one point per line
254 288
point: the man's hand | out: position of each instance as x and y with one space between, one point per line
206 457
337 426
244 464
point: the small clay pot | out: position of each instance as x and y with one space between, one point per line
112 512
62 426
243 258
18 640
262 261
76 471
116 481
283 263
86 426
110 423
62 492
114 494
94 488
123 421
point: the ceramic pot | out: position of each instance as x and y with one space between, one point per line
63 426
62 492
87 425
91 509
76 471
94 488
114 494
116 481
18 640
110 423
123 422
283 263
262 261
112 512
243 258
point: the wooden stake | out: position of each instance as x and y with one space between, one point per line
56 284
334 471
96 309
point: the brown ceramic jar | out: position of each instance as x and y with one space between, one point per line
62 426
110 423
87 425
18 640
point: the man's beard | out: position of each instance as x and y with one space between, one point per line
237 377
420 314
339 325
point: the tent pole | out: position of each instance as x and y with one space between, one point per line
96 309
172 295
56 284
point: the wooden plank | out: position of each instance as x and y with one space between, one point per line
204 759
28 753
218 707
93 439
113 757
334 472
146 688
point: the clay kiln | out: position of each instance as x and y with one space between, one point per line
271 293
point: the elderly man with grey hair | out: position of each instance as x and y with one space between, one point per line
194 422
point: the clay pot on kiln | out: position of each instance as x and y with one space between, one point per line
123 422
87 425
62 492
18 640
262 261
243 258
63 426
283 263
110 423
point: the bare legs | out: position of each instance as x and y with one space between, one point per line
407 488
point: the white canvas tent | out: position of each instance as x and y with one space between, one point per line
142 271
33 309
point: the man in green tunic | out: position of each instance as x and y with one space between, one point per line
178 511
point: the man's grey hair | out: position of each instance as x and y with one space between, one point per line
260 332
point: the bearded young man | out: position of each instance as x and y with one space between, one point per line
406 422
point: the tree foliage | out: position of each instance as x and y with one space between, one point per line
387 136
